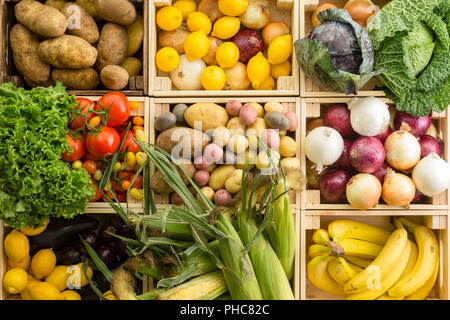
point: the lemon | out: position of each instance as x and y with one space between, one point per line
15 280
45 291
227 55
268 84
108 295
58 278
196 45
186 7
213 78
169 18
31 231
226 27
280 49
232 8
281 69
16 245
167 59
43 263
258 69
198 21
25 294
23 264
76 275
71 295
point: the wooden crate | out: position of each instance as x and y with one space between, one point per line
135 205
161 105
161 85
438 221
307 87
311 108
137 86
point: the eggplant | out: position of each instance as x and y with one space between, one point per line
107 253
70 255
105 237
60 232
91 239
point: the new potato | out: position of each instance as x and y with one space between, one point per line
236 126
80 23
79 79
220 175
210 115
119 11
112 46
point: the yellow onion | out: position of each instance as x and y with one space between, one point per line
363 191
402 150
398 189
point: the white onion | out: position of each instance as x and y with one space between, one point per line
188 74
324 146
431 175
369 116
363 191
402 150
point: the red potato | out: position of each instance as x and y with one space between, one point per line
233 107
249 44
292 120
201 178
248 114
213 153
176 199
201 163
222 197
271 138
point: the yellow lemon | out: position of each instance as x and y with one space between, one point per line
169 18
226 27
213 78
258 69
281 69
268 84
108 295
45 291
76 275
196 45
58 277
186 7
25 294
23 264
198 21
280 49
232 8
43 263
227 55
16 245
71 295
15 280
167 59
31 231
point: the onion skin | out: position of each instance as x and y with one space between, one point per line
383 136
249 44
418 126
274 29
417 197
363 191
381 173
236 77
367 154
402 150
257 14
428 145
344 160
338 117
333 185
360 10
398 189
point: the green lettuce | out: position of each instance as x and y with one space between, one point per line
411 41
35 183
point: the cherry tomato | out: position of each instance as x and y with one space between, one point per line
78 149
120 108
98 194
83 105
90 156
121 197
124 174
90 166
129 142
105 142
138 183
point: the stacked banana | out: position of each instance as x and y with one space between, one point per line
364 262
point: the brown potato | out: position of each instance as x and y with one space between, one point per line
159 185
41 19
114 77
55 3
89 5
132 65
80 23
182 138
25 45
135 36
79 79
174 39
68 52
112 46
119 11
211 9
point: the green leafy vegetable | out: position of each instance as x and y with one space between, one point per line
34 182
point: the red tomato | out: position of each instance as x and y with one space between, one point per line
124 174
105 142
98 194
78 149
121 197
90 166
90 156
83 105
138 183
129 142
120 108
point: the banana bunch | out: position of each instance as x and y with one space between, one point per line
364 262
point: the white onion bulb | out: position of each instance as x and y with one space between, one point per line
369 116
402 150
324 146
431 175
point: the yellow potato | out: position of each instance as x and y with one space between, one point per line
254 131
288 146
290 163
55 3
236 126
135 35
259 109
246 159
80 23
208 192
220 136
210 115
238 143
133 66
234 181
219 176
273 106
263 161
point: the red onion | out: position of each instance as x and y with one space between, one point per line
418 125
382 137
249 44
417 197
333 185
428 144
344 160
367 154
380 173
338 117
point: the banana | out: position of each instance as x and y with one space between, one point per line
423 291
354 247
388 280
316 250
318 275
411 261
386 297
320 236
358 261
383 264
425 265
341 271
349 229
